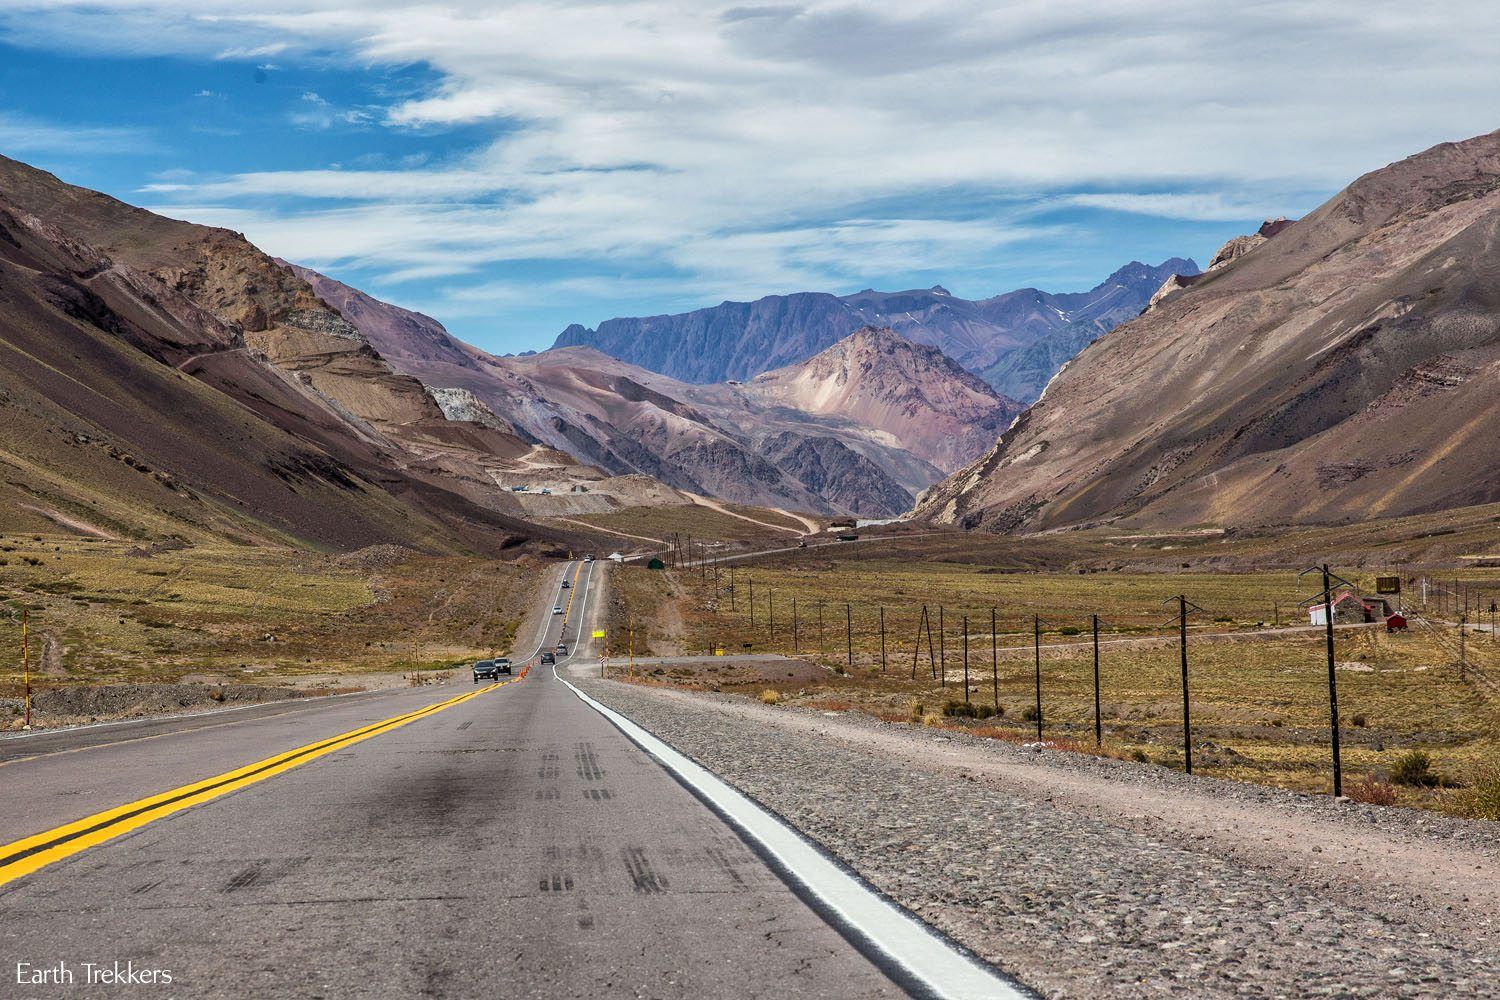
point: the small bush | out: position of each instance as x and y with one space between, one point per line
932 721
1414 768
1372 790
1359 721
967 710
1139 756
1028 714
1480 798
1069 630
770 696
914 711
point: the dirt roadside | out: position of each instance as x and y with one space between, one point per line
1435 870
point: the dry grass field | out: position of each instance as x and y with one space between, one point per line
111 612
729 531
1259 699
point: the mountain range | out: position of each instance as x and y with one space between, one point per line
1337 368
859 428
1015 341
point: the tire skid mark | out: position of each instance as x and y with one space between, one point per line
643 877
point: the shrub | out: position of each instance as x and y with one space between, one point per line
1480 798
1414 768
1139 756
967 710
1372 790
914 711
1069 630
770 696
932 721
1359 721
1028 714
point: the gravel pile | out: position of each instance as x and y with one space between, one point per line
1070 904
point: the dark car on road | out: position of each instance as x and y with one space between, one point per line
547 659
488 670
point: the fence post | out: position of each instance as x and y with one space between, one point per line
1036 645
794 626
1098 724
1187 730
849 634
1333 686
882 638
26 669
994 661
966 659
916 649
942 650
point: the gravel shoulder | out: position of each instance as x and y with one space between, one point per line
1088 877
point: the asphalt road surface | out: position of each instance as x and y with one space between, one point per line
501 840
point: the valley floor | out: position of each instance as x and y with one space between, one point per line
1087 877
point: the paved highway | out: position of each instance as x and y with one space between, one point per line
504 840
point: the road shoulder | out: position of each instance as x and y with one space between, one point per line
1082 876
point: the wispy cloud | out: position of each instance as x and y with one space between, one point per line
744 147
20 134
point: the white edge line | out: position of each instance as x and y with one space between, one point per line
903 940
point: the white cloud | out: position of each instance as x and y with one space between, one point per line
790 144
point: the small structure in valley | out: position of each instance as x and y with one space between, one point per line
616 557
1350 609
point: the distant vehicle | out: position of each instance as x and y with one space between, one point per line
801 545
488 670
548 659
557 610
566 585
849 537
546 491
562 649
518 489
502 665
589 557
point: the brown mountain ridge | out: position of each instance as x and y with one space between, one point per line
1345 368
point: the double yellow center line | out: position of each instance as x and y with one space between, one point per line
27 855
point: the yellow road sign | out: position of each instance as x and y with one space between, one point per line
598 633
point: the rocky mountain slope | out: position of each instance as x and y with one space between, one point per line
1015 341
859 429
879 380
158 377
1348 366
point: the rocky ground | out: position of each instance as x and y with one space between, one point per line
1086 877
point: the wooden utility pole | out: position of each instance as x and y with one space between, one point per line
794 626
882 638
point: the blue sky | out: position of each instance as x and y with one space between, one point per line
514 167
